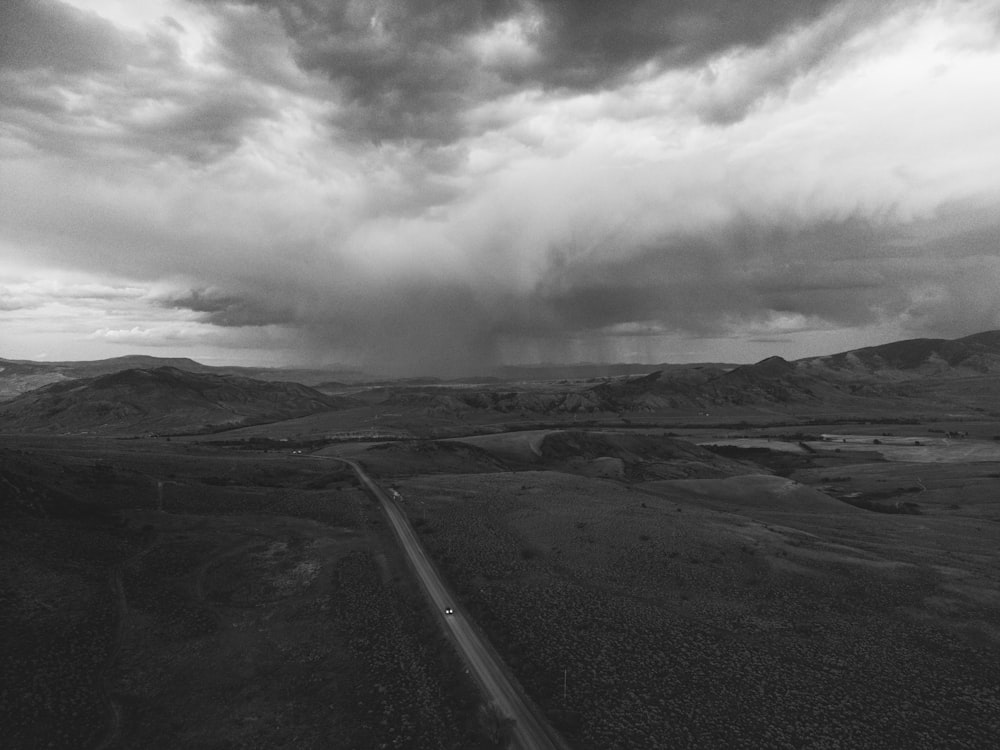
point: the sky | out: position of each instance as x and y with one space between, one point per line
443 186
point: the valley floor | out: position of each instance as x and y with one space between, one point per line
774 587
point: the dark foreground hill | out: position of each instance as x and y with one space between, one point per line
163 400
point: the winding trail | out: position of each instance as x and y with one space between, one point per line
530 731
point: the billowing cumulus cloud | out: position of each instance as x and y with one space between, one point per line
441 186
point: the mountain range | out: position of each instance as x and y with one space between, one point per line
130 395
915 374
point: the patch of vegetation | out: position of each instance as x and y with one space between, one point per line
782 463
254 613
628 643
58 559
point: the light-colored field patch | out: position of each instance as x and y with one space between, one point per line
756 491
829 554
513 446
299 577
774 445
916 449
608 466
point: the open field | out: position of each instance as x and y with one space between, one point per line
734 612
757 575
264 606
920 449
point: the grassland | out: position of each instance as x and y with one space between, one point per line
726 612
646 593
159 595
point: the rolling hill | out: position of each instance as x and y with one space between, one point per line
922 374
970 356
162 400
19 376
877 375
83 396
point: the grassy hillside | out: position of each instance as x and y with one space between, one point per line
161 400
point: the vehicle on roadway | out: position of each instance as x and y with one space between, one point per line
449 611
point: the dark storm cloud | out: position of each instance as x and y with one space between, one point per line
403 70
402 67
433 326
592 41
47 34
409 70
667 281
427 184
201 128
835 271
231 310
210 302
727 102
843 272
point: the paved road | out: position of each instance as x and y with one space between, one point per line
530 732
